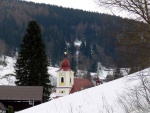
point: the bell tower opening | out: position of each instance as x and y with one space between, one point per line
62 79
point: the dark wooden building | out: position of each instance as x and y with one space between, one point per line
20 97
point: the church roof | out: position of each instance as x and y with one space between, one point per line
80 84
65 65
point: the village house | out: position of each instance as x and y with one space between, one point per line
20 97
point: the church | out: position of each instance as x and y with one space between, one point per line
66 82
65 79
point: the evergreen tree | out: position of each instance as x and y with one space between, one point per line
88 50
72 49
83 48
73 64
32 63
94 49
10 109
117 73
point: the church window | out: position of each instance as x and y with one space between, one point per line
70 80
62 79
62 92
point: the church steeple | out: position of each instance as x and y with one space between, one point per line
65 77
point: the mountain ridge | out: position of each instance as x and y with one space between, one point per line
60 25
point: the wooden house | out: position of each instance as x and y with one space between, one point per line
20 97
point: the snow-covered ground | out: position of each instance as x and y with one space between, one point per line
52 71
99 99
7 72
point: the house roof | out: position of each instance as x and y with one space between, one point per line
80 84
21 93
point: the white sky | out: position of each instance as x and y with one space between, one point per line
88 5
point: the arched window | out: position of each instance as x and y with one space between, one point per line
62 79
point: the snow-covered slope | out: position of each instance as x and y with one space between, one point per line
52 71
7 72
100 99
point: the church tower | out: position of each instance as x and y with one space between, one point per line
65 78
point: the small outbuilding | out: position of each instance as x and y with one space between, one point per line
20 97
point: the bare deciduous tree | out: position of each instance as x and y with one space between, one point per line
136 41
138 97
138 7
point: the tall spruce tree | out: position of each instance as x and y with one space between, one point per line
32 63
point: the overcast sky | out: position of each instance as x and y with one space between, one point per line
88 5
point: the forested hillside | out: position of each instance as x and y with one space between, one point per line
60 28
